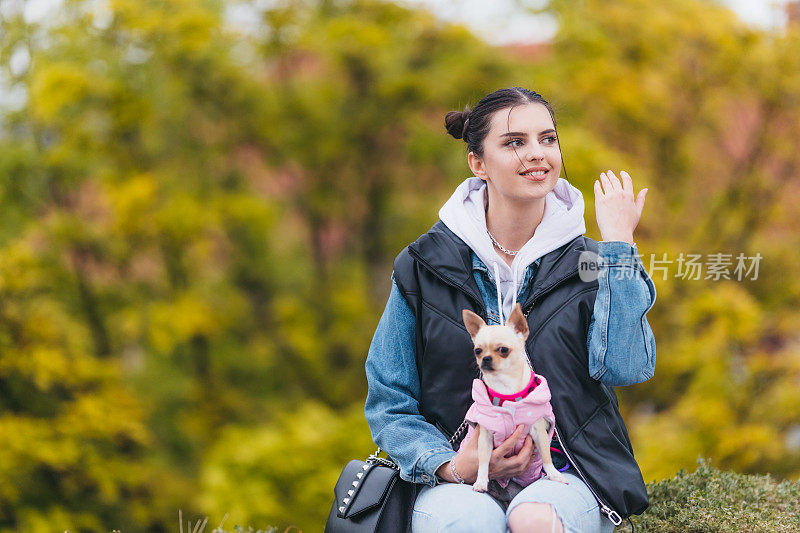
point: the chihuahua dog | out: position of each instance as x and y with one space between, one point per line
508 394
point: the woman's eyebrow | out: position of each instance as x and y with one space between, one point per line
523 134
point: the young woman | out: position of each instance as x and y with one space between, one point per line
515 232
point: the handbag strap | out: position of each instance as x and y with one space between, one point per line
386 461
458 433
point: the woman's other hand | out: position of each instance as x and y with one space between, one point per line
501 464
617 211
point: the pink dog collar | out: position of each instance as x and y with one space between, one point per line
498 399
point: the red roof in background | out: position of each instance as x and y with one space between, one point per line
792 12
528 50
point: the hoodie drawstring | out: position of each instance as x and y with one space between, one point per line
499 294
514 288
499 299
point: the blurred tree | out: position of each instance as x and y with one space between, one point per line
358 82
74 444
122 172
284 473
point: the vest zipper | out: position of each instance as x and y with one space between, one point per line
610 513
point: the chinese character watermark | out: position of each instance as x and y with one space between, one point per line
714 266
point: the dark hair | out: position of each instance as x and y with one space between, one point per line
473 125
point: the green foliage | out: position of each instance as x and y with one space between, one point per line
67 429
266 474
713 500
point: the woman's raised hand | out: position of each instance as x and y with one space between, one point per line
617 211
500 466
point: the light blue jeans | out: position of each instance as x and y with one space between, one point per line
457 508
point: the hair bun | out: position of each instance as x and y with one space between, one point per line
457 122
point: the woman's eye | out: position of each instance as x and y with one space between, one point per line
551 139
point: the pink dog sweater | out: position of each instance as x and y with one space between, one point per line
503 419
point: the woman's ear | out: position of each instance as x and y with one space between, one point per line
476 165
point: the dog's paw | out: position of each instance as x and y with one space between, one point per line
557 476
480 486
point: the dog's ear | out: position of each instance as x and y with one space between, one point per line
473 322
518 322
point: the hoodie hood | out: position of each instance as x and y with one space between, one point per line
465 215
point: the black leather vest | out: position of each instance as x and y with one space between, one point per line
434 274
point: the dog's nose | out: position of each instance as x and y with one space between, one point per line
486 362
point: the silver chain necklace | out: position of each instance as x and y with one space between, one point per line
509 252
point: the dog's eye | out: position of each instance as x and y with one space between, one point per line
503 350
478 351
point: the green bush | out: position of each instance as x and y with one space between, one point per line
713 500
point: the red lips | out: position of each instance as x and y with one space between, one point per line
534 169
532 177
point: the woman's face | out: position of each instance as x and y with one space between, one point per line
521 139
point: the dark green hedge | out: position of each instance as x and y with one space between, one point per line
709 500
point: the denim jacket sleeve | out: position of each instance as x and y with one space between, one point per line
392 406
622 349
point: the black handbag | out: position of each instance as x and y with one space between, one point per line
371 496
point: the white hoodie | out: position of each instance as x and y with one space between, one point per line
465 214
